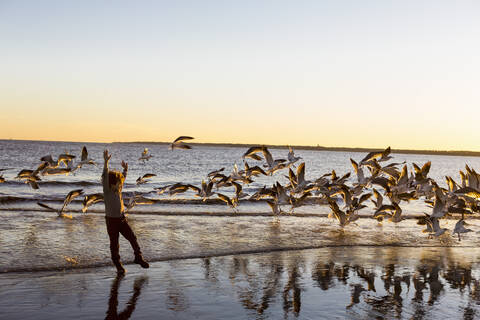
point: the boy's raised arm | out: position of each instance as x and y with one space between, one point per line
106 158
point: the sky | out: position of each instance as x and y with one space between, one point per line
404 74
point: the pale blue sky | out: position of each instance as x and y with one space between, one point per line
338 73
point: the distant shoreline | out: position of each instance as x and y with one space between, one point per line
322 148
296 147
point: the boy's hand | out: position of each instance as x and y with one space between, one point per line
124 165
106 156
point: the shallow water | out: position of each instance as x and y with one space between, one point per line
186 166
33 241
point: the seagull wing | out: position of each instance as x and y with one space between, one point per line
182 138
84 154
46 207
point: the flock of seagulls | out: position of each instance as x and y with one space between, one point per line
377 184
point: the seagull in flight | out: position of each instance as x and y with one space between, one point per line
179 144
143 179
145 155
84 159
91 199
291 156
460 228
70 196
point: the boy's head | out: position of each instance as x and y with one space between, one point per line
115 180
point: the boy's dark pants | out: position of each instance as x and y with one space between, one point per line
115 226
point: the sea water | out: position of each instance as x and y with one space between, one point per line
188 235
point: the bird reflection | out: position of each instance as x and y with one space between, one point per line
112 312
280 282
323 275
260 284
293 301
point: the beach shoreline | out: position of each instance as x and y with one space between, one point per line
335 282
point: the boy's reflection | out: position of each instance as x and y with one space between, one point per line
113 301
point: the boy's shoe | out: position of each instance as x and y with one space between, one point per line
120 269
139 260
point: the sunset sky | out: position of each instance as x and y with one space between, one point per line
404 74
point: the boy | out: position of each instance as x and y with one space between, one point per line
114 214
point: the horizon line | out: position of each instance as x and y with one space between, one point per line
278 146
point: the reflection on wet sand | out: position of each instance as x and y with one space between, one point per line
112 312
404 291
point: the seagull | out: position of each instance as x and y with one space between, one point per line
361 179
50 161
276 210
179 144
227 200
84 159
65 158
238 175
460 228
253 171
252 153
439 207
433 226
54 171
91 199
298 202
143 179
138 199
392 210
31 176
145 155
291 157
271 164
205 191
239 194
215 172
379 199
377 155
297 181
397 213
337 213
162 190
70 196
180 188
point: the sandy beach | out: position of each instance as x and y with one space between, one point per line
327 283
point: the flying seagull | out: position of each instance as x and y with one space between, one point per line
179 144
145 155
70 196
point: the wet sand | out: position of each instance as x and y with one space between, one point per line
329 283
